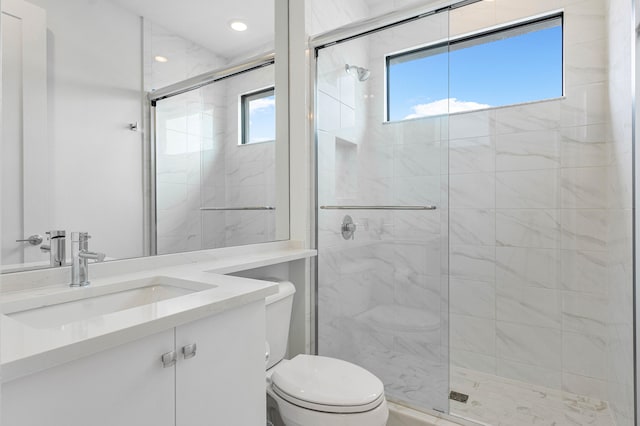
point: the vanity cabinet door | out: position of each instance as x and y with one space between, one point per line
125 386
224 382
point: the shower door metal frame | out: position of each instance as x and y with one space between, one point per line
380 23
210 77
635 182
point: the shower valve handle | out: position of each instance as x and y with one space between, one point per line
348 228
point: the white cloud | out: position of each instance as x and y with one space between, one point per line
444 106
260 140
262 103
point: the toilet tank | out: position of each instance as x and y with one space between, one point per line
278 307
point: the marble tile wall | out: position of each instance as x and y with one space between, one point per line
184 144
185 130
537 231
530 218
326 15
213 167
529 247
249 169
185 58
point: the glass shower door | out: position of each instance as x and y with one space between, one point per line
382 232
215 154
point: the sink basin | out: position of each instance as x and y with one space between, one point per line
72 306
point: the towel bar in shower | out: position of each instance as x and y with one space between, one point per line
220 209
378 207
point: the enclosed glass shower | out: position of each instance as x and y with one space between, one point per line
214 187
474 224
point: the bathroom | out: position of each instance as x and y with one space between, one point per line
442 190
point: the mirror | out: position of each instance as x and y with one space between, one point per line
87 147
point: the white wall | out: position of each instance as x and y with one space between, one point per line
94 90
11 150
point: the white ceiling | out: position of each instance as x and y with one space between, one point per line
206 22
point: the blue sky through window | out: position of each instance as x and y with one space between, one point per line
262 118
521 66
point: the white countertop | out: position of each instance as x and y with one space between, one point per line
25 349
222 261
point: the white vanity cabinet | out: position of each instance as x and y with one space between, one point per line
127 385
224 383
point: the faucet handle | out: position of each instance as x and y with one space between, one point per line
92 255
80 237
34 240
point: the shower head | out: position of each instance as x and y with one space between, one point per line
358 72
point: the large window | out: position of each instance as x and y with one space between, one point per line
510 65
258 115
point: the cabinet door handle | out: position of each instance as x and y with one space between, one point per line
169 359
189 351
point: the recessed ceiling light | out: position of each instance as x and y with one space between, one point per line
159 58
238 26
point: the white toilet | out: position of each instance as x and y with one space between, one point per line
315 390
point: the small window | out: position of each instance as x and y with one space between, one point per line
258 116
510 65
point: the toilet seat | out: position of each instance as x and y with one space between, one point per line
327 385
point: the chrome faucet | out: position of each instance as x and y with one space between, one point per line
80 256
57 248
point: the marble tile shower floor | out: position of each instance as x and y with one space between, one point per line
499 401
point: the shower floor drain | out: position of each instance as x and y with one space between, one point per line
457 396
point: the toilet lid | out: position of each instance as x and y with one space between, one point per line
327 384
